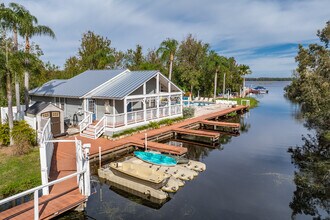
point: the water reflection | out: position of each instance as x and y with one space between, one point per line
312 194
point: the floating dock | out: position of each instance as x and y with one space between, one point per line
220 123
200 133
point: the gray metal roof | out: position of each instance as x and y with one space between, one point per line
125 84
76 86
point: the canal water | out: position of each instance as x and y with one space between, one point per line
247 177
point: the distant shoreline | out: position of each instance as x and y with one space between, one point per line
269 79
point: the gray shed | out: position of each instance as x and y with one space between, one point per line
45 110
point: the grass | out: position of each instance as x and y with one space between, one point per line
253 101
18 173
151 125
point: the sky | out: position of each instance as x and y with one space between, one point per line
263 34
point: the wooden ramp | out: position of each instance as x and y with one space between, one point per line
62 197
201 133
220 123
49 206
163 147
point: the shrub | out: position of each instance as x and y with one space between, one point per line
188 112
4 134
153 125
24 137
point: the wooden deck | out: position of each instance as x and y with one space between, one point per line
220 123
65 195
200 133
163 148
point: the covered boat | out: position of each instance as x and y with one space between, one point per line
155 158
141 174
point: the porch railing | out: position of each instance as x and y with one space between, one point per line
151 114
164 111
135 117
118 120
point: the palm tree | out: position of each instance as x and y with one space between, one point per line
13 17
4 25
168 49
244 70
28 29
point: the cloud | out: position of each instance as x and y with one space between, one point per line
240 27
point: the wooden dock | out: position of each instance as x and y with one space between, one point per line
200 133
65 195
163 147
220 123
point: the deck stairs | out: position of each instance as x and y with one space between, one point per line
95 129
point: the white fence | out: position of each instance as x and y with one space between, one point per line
31 121
226 102
4 113
46 152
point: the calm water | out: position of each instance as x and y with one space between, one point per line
249 177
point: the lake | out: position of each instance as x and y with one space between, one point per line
248 177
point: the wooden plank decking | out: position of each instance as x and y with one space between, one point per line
163 147
201 133
220 123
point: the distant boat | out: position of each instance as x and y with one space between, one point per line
259 90
155 158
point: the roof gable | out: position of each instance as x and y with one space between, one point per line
124 85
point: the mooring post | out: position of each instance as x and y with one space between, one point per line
146 141
100 157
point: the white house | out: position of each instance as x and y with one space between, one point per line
112 100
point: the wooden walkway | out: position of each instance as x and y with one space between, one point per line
62 196
65 195
220 123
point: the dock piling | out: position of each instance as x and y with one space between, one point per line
100 157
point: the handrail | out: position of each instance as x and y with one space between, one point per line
81 126
97 131
89 115
19 195
44 130
98 123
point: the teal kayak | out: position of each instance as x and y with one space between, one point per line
155 158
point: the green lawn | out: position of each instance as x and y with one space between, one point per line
19 173
253 101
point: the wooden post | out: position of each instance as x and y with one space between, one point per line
100 157
36 205
224 85
125 111
146 141
215 85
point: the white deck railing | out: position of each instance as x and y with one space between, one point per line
164 111
151 113
88 119
118 120
135 117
